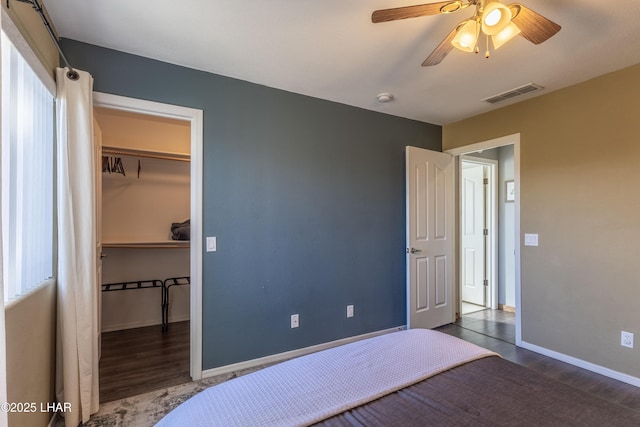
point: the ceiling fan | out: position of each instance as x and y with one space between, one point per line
493 19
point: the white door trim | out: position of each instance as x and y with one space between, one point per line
195 118
514 140
492 202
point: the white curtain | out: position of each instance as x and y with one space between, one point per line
3 346
77 337
3 358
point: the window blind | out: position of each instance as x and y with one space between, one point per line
27 175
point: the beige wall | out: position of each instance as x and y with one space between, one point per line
580 168
30 329
142 209
143 132
35 33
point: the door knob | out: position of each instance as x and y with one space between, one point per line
415 251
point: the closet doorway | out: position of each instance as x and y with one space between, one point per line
149 203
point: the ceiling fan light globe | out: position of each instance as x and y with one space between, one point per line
495 18
505 35
467 37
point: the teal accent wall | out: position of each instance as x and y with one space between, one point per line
305 196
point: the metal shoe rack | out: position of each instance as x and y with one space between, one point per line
147 284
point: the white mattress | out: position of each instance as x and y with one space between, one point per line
317 386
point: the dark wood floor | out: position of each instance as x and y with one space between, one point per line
495 330
139 360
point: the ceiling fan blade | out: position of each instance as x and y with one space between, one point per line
535 27
394 14
443 49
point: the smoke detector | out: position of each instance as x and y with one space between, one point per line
383 98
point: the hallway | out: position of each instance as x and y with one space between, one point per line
493 323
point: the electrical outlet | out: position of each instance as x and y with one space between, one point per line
626 339
295 321
350 311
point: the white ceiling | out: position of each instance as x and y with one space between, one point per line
329 49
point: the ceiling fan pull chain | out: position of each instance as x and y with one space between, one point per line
487 54
477 49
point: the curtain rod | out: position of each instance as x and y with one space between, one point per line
71 74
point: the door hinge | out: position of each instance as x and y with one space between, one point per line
486 282
485 181
485 231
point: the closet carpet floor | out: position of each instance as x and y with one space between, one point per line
136 361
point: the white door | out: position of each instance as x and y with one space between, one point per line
430 238
472 225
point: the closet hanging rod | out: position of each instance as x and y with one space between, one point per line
71 74
145 153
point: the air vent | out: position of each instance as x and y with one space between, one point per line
522 90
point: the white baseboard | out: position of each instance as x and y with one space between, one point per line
625 378
176 319
132 325
293 353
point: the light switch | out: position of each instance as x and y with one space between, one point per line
531 240
211 244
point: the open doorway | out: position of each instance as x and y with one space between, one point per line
150 179
478 232
495 310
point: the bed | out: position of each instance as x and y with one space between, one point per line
407 378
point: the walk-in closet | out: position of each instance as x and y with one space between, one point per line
144 206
